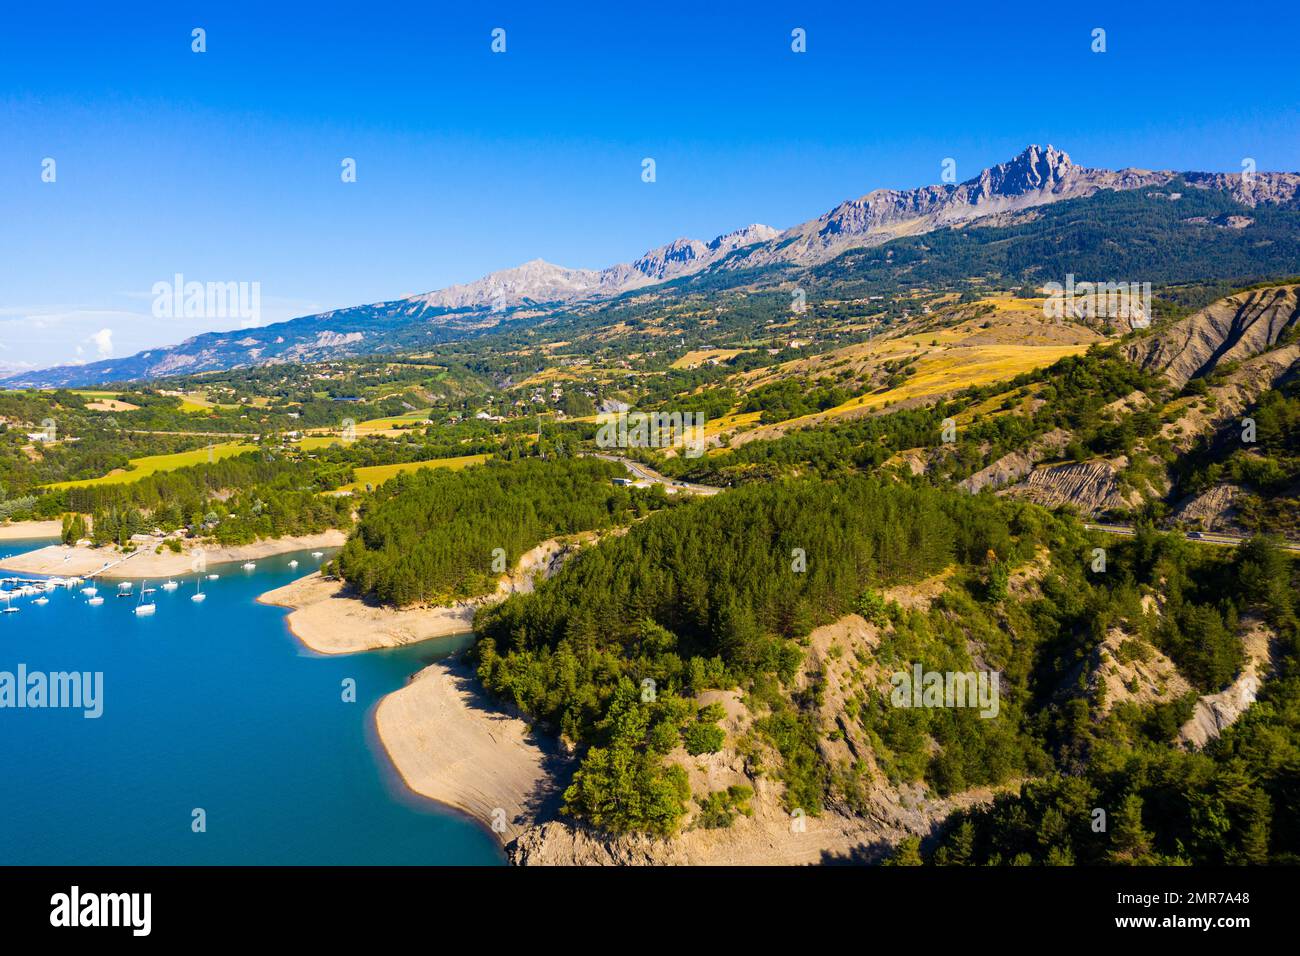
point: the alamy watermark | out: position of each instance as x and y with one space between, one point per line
179 299
623 429
123 910
1127 301
36 690
922 688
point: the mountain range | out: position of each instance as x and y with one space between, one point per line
1001 195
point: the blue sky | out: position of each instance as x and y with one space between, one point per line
225 166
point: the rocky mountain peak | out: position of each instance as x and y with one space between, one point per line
755 232
683 256
1036 168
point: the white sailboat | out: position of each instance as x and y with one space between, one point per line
170 586
213 577
95 601
293 564
198 596
318 554
90 591
9 608
42 600
249 565
142 609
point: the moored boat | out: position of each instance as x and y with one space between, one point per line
142 609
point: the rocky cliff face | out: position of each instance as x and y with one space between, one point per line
1232 329
1092 487
1259 189
1214 509
1018 464
1214 713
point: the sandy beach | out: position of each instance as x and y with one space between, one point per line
451 744
31 529
329 619
68 560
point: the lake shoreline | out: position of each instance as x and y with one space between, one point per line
80 561
448 742
444 738
328 617
440 736
212 703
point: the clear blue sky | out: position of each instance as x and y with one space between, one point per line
224 166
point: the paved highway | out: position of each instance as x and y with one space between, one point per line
1200 537
646 473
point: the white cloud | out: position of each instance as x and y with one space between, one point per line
39 336
103 340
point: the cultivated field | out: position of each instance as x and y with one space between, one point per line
376 475
152 464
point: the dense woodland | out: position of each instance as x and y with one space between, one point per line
231 500
709 595
434 535
1234 802
705 596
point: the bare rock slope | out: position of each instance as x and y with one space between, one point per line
1232 329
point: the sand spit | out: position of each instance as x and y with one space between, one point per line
451 744
330 619
31 529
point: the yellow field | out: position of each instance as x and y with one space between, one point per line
385 427
152 464
110 405
192 403
312 442
376 475
1009 303
195 402
938 372
384 424
700 356
548 376
961 368
728 422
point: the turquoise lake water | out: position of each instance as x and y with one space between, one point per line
213 706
